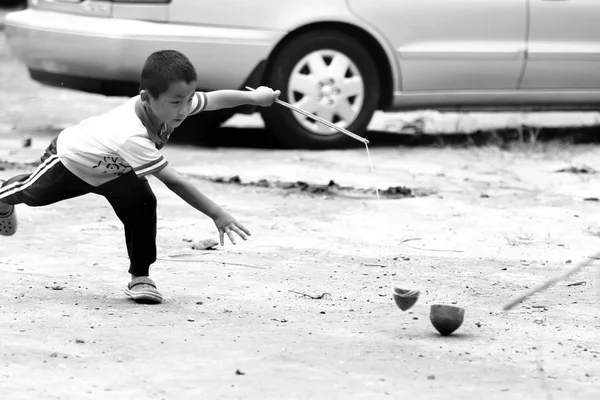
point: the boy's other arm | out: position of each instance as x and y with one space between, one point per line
181 187
262 96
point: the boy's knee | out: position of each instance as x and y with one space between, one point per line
146 201
150 201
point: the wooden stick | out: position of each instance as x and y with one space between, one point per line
550 282
321 120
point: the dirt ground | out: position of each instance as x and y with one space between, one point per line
304 308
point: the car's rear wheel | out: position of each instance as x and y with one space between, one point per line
329 74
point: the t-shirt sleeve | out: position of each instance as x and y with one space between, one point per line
198 103
141 154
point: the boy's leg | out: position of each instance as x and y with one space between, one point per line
50 183
135 204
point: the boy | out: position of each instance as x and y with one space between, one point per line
111 154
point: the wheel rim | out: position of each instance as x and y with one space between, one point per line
328 84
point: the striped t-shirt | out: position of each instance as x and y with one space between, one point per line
102 148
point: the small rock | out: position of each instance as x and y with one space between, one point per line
54 355
79 341
238 372
431 377
199 303
190 319
208 244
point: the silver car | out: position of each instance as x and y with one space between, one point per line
338 59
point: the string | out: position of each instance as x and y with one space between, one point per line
409 293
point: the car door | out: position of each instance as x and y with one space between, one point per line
452 44
564 45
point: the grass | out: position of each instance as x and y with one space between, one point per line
518 238
524 138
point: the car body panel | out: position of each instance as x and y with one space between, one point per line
452 44
75 42
101 8
117 48
445 54
97 8
499 100
259 14
564 45
278 16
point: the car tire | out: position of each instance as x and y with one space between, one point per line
302 71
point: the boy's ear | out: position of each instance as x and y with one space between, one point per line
145 97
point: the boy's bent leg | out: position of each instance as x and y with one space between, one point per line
51 182
135 204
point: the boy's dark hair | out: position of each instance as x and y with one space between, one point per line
163 68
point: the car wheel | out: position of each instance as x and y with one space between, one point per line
329 74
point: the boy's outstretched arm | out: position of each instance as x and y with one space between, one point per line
225 223
262 96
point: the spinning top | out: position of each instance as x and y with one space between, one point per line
404 298
446 319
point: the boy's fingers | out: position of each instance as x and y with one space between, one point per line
237 230
231 237
243 228
222 237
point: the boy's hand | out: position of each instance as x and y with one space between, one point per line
265 96
226 224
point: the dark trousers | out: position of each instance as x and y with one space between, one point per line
131 198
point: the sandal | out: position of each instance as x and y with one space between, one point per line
143 290
8 222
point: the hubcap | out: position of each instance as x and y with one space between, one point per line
328 84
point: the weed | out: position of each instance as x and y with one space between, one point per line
525 236
511 240
518 238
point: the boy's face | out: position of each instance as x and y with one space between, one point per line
172 106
